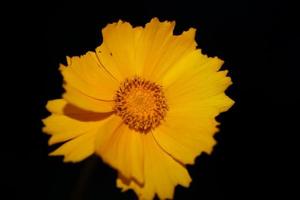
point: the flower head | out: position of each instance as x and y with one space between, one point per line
145 102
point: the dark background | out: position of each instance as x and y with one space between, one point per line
257 149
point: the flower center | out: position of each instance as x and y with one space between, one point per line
141 104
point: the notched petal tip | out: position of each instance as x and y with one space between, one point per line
52 141
45 128
62 66
219 59
210 149
190 33
69 60
228 103
56 105
156 22
65 158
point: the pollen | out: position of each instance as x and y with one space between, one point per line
141 104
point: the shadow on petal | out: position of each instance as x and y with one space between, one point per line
84 115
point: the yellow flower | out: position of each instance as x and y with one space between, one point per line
145 102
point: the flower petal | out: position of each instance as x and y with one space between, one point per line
85 102
196 80
162 49
78 148
147 52
122 148
83 144
56 106
195 94
117 52
68 121
87 75
162 173
63 128
203 91
185 135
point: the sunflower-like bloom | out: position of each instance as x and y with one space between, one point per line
145 102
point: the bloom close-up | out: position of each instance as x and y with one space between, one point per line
145 102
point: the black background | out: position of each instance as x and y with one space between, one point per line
256 152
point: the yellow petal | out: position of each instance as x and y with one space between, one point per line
162 49
56 106
196 81
148 52
190 65
109 63
162 173
186 135
78 148
203 93
83 145
195 95
85 102
122 148
151 41
68 121
87 75
63 128
117 51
